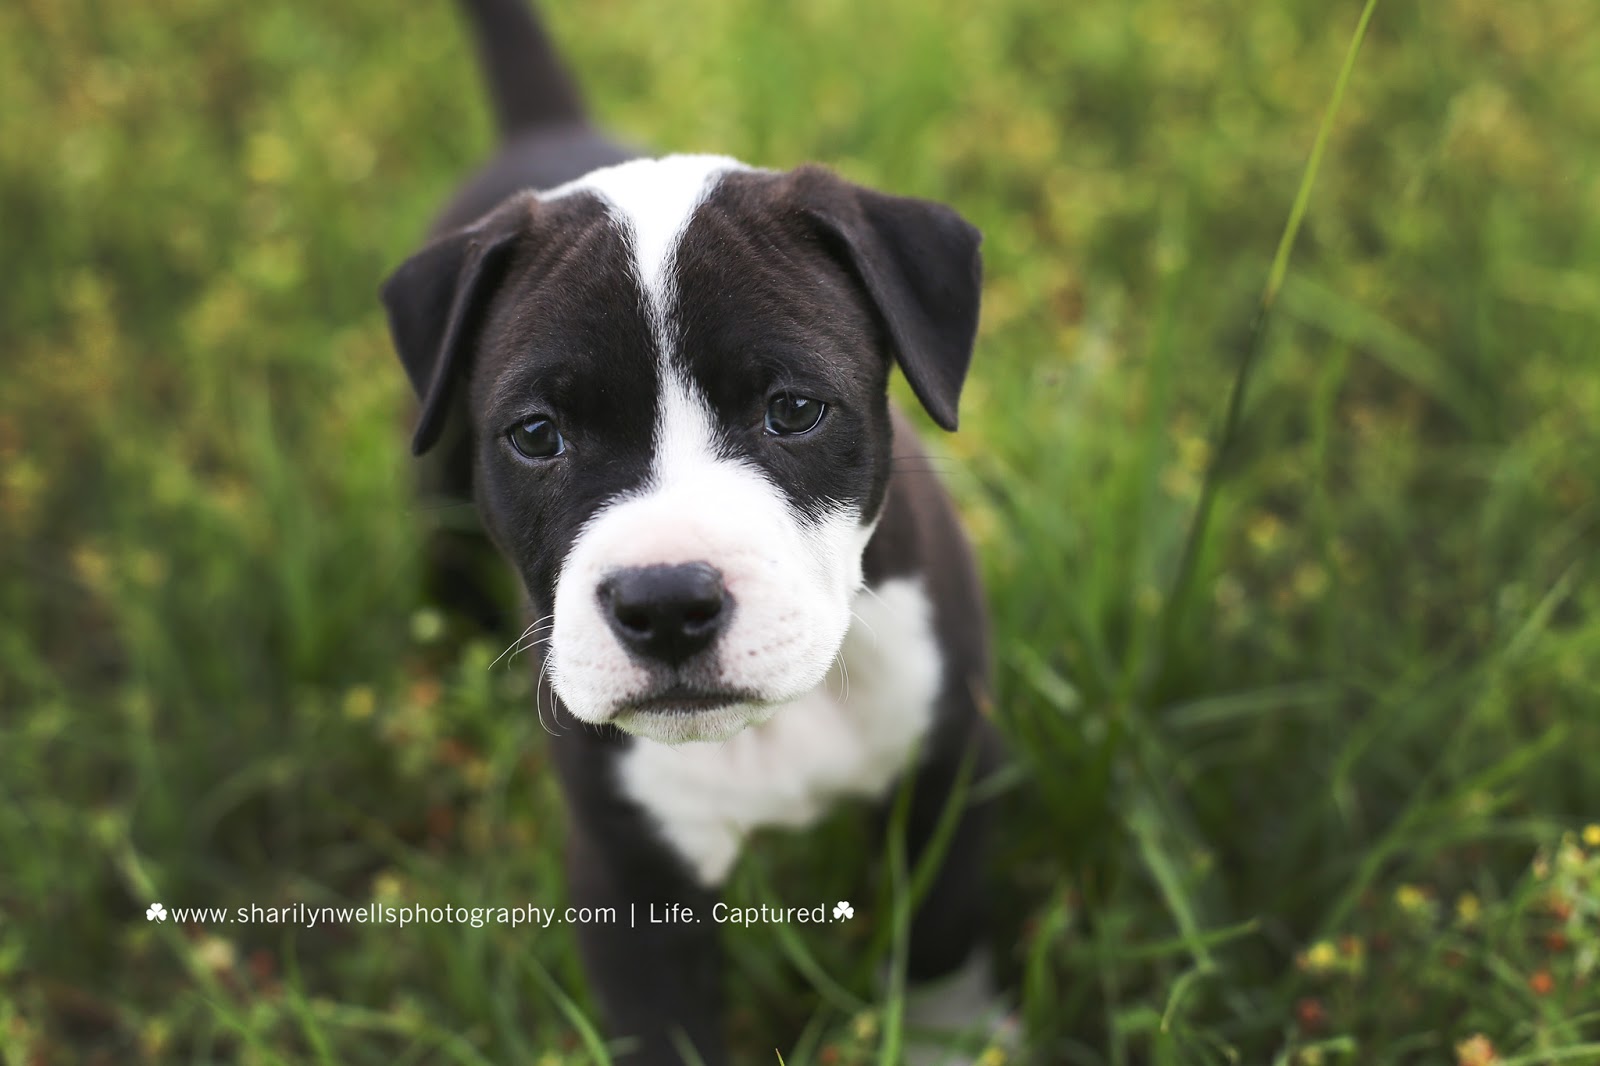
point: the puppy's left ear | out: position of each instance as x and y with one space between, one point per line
919 262
435 301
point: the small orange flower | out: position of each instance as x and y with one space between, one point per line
1556 941
1311 1015
1542 983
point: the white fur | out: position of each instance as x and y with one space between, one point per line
789 579
844 738
963 1005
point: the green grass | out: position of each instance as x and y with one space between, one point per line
1306 779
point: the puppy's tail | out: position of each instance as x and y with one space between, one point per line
527 81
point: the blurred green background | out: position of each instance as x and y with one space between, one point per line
1330 798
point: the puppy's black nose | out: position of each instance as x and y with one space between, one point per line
665 613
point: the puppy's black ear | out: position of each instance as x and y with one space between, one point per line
435 301
920 265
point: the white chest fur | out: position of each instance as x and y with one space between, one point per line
851 736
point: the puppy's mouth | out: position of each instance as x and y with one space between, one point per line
685 700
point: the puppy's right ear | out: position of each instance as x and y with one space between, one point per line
436 301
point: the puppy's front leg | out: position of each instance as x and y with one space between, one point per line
656 970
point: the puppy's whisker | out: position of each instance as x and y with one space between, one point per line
870 591
537 624
542 633
529 629
538 698
520 645
529 640
511 647
536 642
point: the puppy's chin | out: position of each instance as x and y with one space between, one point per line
683 726
700 717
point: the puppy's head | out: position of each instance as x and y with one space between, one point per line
676 374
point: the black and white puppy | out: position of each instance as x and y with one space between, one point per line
664 383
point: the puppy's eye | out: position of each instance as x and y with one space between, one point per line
537 438
789 415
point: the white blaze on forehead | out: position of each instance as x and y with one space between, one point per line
685 437
652 200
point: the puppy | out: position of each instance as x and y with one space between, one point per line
663 382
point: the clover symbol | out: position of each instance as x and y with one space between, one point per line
843 910
155 913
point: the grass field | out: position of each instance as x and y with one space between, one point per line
1306 729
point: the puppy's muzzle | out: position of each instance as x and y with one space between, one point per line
666 614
